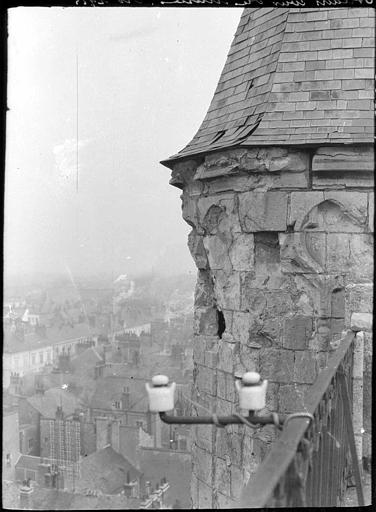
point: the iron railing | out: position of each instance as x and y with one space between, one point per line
310 463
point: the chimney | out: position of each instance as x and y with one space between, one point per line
130 489
76 415
98 370
25 496
125 398
39 386
15 383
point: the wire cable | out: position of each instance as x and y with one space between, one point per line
246 422
216 421
298 415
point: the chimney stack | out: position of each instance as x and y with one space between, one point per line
26 496
125 398
39 385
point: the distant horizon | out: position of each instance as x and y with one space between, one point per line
40 279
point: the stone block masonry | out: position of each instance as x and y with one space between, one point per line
281 272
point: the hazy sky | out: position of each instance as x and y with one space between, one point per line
145 80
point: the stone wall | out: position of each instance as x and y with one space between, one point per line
282 239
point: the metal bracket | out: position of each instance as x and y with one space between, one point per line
222 421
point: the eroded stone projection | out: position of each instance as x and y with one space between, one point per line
282 240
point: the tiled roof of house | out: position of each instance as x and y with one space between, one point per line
87 359
14 343
68 332
175 466
52 336
106 470
110 390
152 362
47 403
28 462
293 76
50 499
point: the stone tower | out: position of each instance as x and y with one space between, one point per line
278 189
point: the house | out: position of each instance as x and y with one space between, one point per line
85 362
175 467
28 467
110 473
41 405
47 402
24 353
41 498
34 317
29 351
11 440
60 437
120 397
67 337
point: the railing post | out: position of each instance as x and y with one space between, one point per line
350 437
357 393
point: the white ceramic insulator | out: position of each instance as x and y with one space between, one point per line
159 380
251 378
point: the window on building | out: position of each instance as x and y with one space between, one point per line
41 357
139 424
48 356
33 359
183 444
31 443
116 404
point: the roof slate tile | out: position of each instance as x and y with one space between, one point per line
364 52
334 64
344 23
320 44
367 22
314 64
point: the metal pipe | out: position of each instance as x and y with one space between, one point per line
223 420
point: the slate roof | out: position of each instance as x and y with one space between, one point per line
28 462
31 341
68 332
54 335
50 499
106 470
47 403
293 76
110 389
175 466
86 360
152 362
